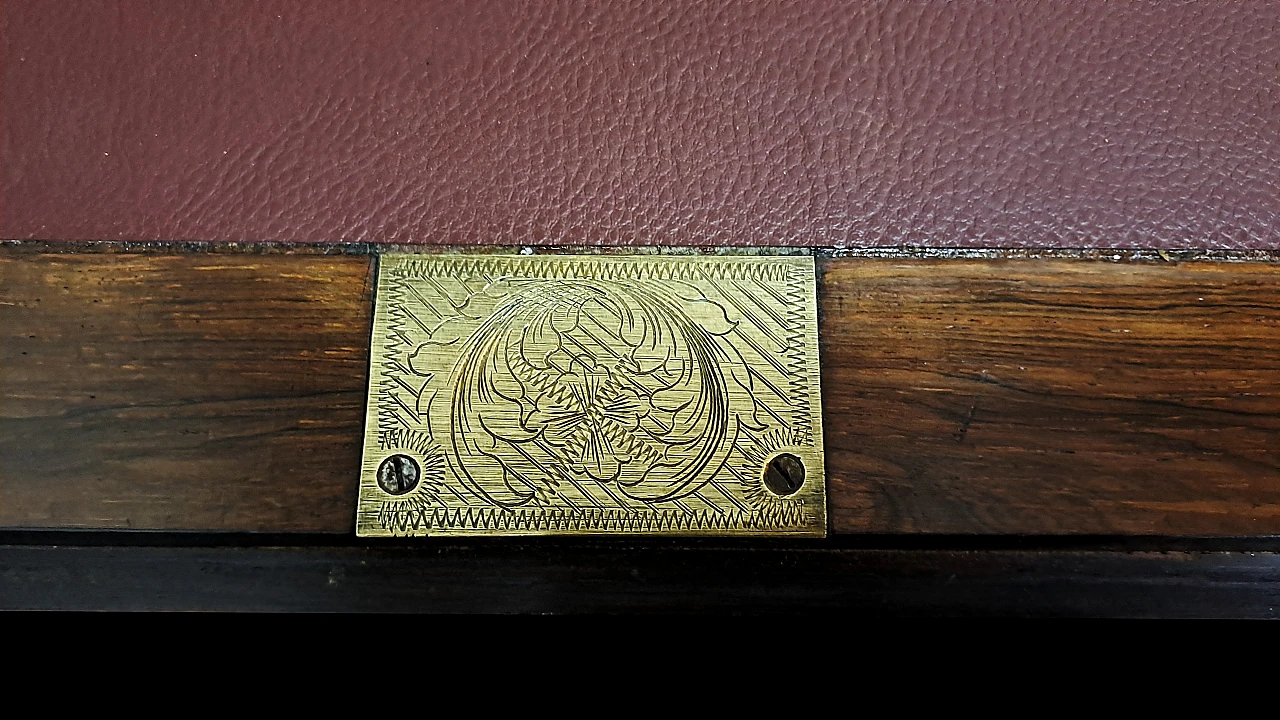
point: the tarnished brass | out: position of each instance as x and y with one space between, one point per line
594 394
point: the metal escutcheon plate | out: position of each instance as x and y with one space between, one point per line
670 394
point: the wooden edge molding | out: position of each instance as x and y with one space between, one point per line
221 388
543 577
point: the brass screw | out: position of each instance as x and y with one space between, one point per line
784 474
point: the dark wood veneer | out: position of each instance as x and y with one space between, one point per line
223 390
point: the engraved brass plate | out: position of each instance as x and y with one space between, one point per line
594 394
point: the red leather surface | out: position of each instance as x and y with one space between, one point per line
901 122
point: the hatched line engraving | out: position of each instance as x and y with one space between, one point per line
565 394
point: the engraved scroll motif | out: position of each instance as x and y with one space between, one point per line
540 395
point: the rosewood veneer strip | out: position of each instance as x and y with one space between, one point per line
179 392
1052 396
224 391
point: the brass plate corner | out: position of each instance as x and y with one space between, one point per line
594 394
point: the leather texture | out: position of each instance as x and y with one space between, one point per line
1099 123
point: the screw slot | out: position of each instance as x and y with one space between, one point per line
784 474
399 474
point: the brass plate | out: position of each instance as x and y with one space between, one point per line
574 394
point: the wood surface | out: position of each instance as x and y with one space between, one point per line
182 391
1042 396
551 577
222 390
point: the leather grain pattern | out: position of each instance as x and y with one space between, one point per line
969 123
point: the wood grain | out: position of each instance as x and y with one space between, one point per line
1052 396
224 391
192 391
